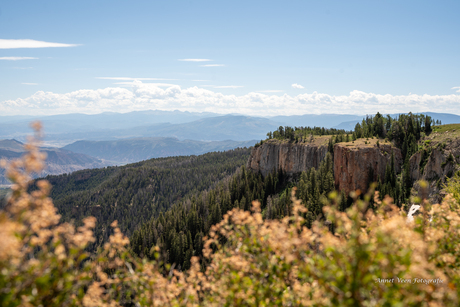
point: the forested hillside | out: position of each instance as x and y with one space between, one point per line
135 193
173 202
179 231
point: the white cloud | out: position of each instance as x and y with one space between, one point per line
457 88
295 85
147 96
213 65
29 43
201 80
228 86
194 60
133 79
25 83
17 58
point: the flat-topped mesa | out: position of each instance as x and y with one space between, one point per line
291 158
354 163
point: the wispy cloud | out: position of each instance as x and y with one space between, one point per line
195 60
29 83
457 88
229 86
201 80
132 79
270 91
17 58
298 86
30 43
212 65
144 84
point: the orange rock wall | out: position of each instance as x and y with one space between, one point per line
352 165
291 158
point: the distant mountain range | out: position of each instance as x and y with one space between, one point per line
61 130
58 161
92 141
97 154
139 149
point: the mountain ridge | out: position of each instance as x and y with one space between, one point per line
61 130
139 149
58 160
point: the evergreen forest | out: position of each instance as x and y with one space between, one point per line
134 193
173 202
179 231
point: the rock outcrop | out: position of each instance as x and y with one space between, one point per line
355 162
435 165
439 162
289 157
353 165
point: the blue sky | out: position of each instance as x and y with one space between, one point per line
343 56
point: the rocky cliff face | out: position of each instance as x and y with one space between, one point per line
435 165
291 158
354 164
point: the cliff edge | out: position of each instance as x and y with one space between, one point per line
355 163
437 160
292 158
362 161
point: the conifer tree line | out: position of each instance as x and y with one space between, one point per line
301 134
404 130
134 193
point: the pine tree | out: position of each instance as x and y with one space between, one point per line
343 201
407 182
